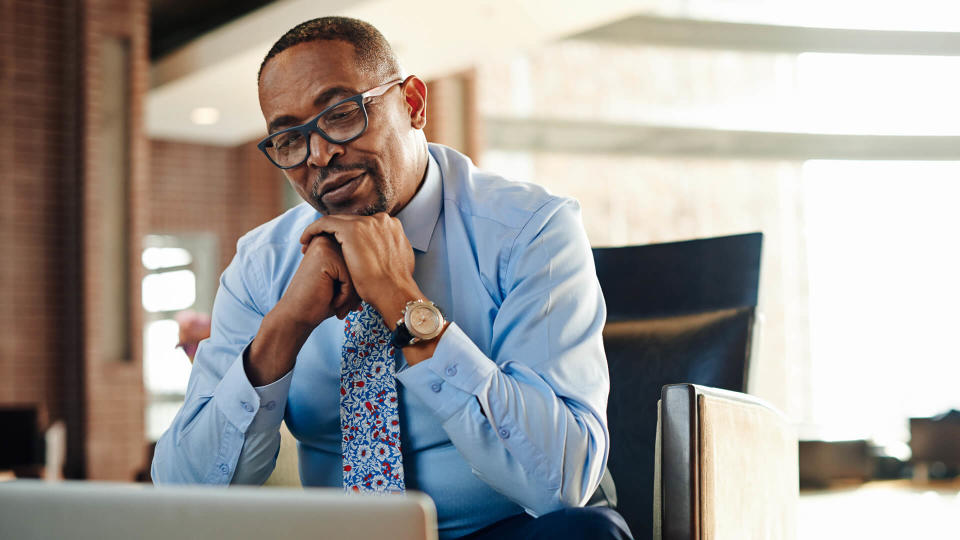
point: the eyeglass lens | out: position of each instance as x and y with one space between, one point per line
341 123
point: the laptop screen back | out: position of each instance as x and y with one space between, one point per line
88 510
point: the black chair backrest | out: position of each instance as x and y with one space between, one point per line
680 312
20 443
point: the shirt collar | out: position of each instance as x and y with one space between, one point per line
420 215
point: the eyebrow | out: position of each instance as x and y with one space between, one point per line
323 98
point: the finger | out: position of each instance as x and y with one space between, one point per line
333 225
346 294
342 298
343 309
346 305
347 297
320 238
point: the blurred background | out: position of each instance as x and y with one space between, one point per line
129 171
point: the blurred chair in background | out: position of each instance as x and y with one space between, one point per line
726 467
680 312
22 448
935 444
824 463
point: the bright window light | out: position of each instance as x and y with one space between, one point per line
166 367
884 291
155 258
878 94
169 291
166 371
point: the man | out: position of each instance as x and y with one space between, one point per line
419 324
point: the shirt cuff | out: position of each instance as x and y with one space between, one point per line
248 408
449 379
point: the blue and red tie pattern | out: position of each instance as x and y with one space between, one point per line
369 412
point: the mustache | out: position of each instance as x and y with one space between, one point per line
325 172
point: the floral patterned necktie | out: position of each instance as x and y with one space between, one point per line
369 413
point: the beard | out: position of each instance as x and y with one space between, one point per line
382 189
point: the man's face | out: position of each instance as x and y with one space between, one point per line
367 175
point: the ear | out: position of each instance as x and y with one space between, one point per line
415 94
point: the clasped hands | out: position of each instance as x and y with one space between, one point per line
347 259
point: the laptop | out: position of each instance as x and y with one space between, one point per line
31 509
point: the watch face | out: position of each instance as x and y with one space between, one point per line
424 321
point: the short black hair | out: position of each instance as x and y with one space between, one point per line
374 53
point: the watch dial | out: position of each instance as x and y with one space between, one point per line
424 320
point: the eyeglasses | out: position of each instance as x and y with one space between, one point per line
339 123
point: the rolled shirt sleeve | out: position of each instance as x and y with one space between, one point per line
536 408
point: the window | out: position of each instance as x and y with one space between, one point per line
670 141
883 293
181 275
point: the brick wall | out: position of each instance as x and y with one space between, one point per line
202 188
113 388
40 357
452 114
53 197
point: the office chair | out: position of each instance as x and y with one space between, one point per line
681 312
677 312
22 447
726 467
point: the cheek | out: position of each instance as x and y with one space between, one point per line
298 179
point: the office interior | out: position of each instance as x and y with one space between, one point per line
130 169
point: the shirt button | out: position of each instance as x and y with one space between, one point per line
271 405
504 433
223 468
435 387
451 371
246 406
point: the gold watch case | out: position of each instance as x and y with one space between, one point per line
423 319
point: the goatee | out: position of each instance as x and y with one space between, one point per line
373 172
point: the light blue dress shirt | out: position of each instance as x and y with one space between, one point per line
509 415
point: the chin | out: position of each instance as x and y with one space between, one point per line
370 208
374 203
356 209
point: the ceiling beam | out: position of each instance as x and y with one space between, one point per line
540 135
671 32
432 38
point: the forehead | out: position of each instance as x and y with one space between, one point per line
293 79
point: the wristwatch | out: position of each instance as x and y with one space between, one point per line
421 321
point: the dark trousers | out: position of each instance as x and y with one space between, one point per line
590 523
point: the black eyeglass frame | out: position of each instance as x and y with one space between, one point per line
311 126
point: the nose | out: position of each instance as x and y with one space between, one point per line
322 151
